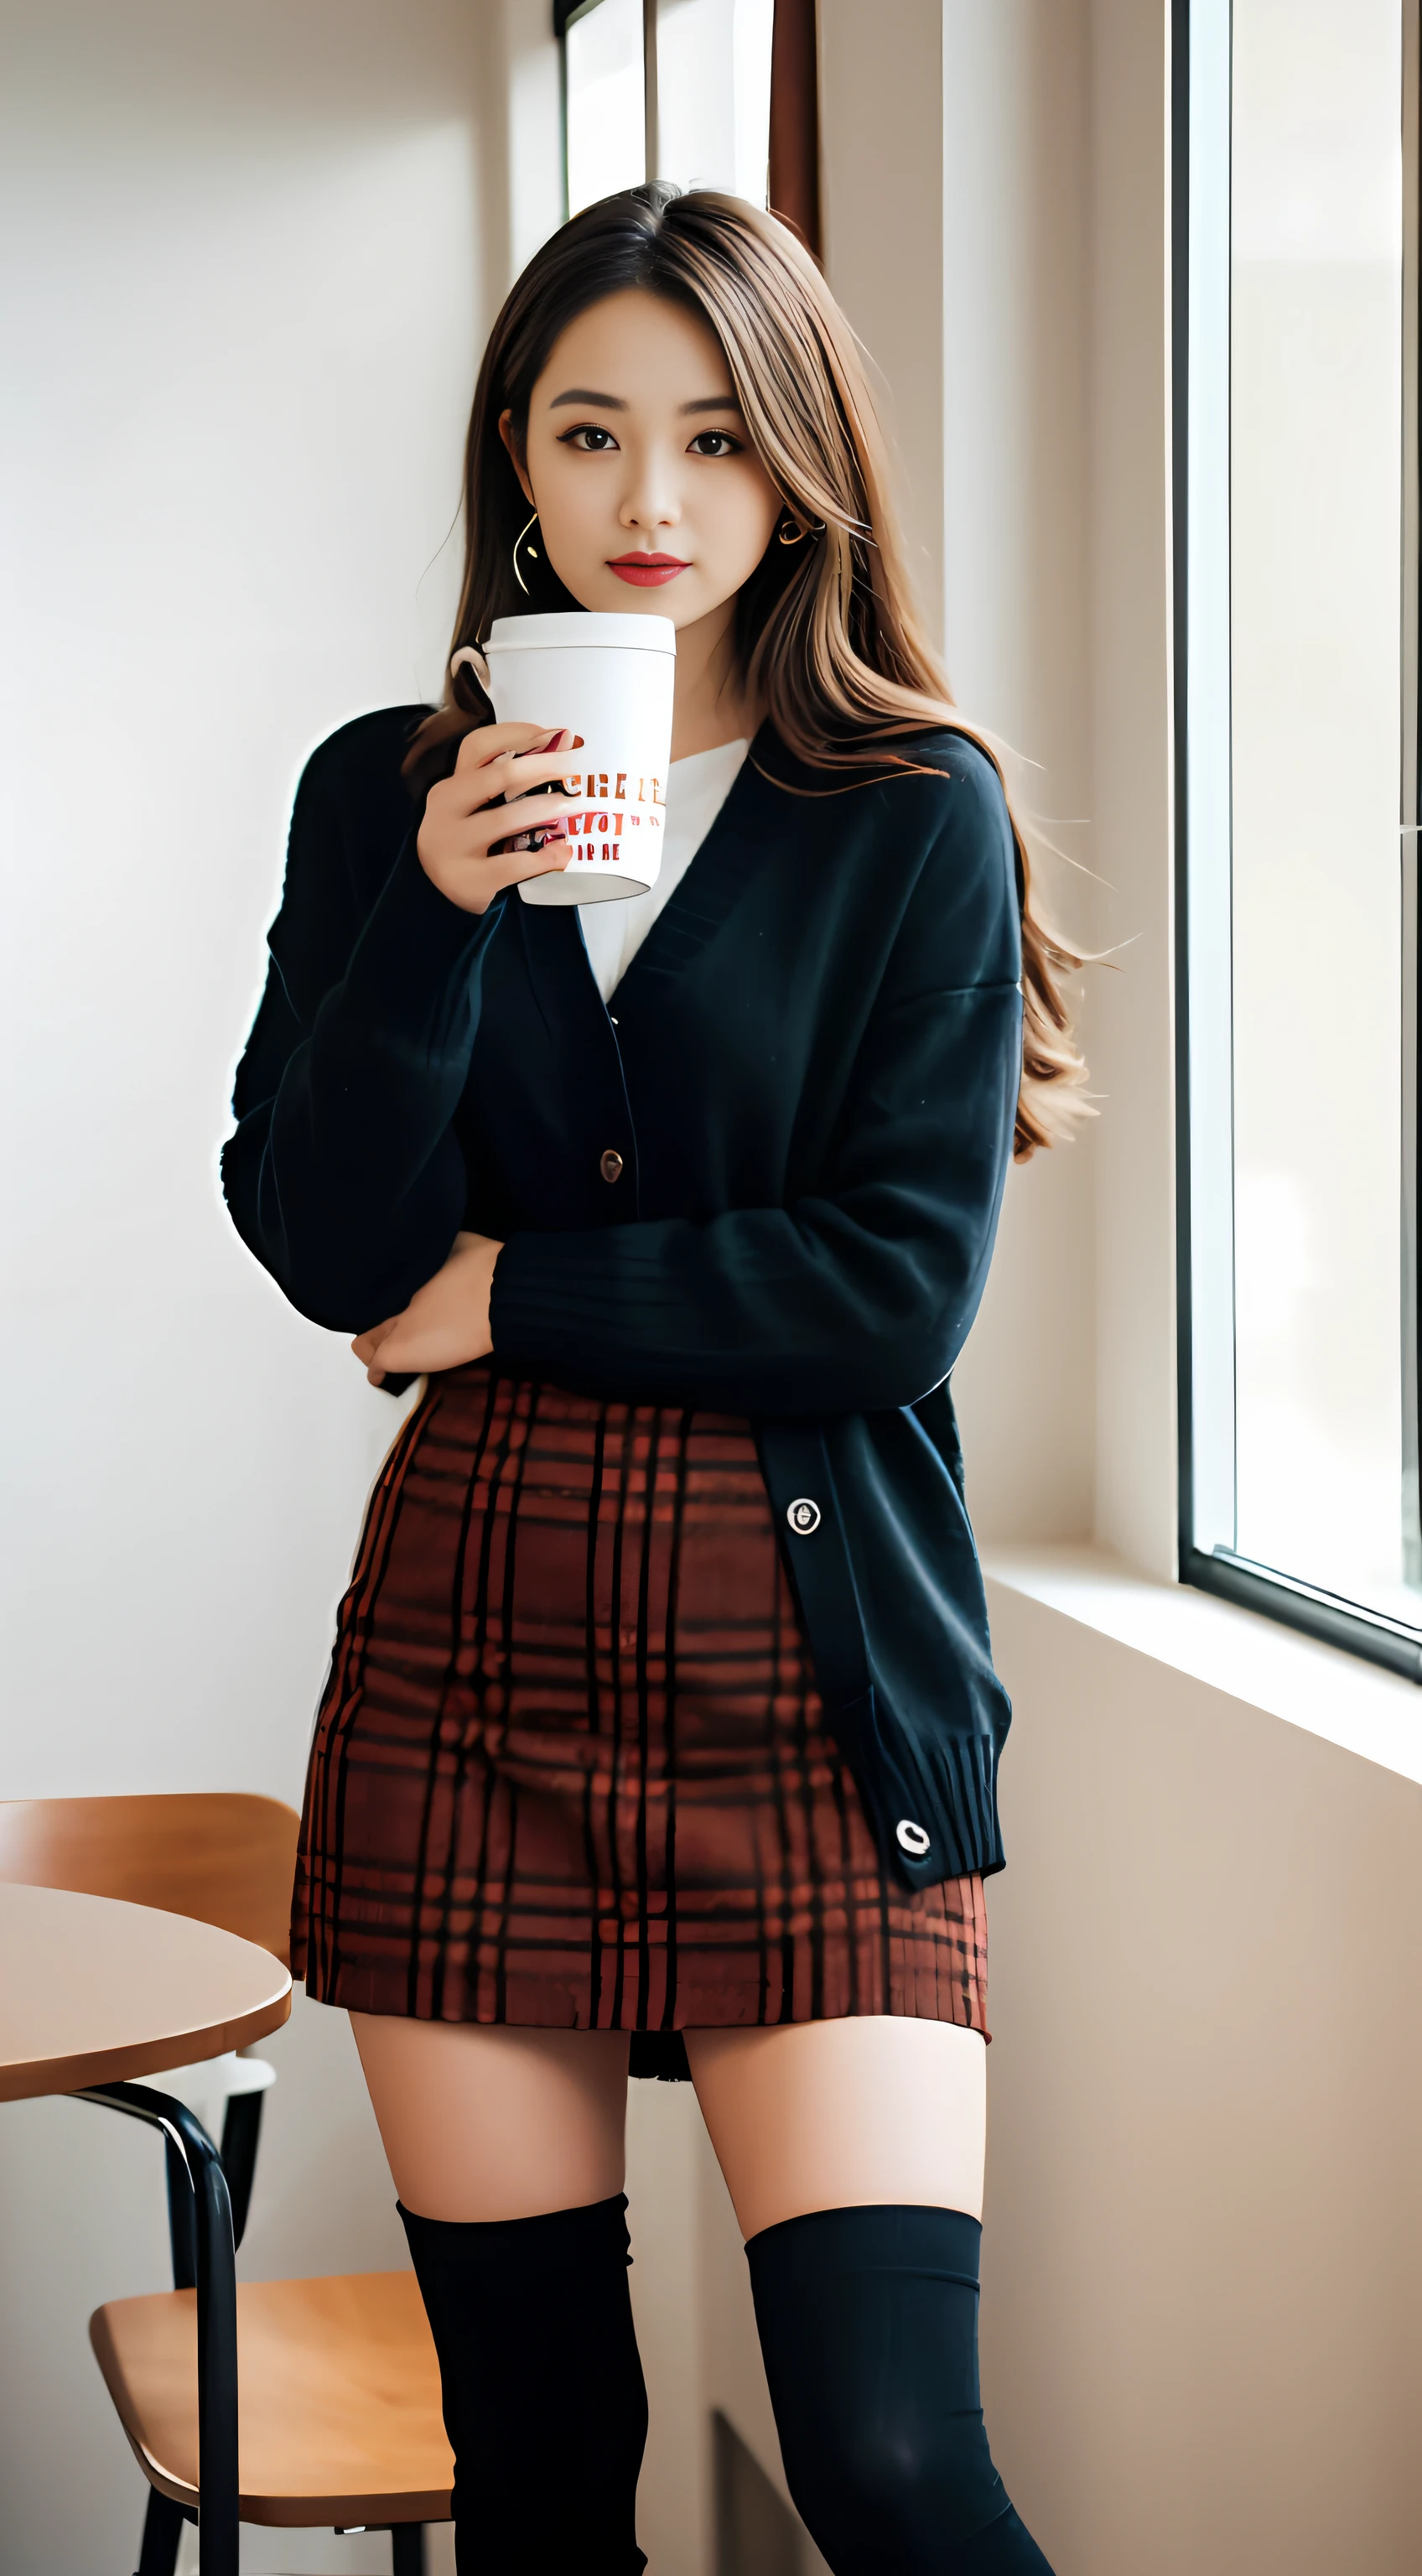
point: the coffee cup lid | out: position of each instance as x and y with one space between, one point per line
580 627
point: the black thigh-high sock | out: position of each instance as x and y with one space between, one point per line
868 2322
544 2401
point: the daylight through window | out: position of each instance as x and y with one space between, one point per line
1297 669
691 75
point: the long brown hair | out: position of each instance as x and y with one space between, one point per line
827 634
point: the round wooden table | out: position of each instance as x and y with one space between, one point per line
93 1990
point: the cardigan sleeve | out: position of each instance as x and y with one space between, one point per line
858 1295
343 1175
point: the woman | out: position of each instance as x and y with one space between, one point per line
661 1718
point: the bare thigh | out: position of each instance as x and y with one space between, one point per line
837 2114
485 2122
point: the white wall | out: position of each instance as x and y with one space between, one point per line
242 306
241 327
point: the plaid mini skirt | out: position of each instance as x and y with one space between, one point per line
571 1769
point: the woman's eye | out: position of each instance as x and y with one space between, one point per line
589 438
715 442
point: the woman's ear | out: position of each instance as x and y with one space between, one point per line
506 433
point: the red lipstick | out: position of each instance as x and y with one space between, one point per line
647 572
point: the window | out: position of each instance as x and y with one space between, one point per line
713 94
1296 707
680 87
605 118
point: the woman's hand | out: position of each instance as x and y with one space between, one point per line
446 1321
464 842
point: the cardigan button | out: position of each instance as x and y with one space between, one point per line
911 1837
804 1517
611 1165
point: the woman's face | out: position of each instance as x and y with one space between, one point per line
648 492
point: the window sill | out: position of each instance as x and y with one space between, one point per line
1269 1667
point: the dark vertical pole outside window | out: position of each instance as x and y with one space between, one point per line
649 87
563 11
1179 431
558 30
795 121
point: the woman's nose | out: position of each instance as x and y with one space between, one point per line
651 501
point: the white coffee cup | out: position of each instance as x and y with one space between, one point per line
609 679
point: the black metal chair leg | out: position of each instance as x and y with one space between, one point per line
407 2549
241 2135
182 2235
162 2531
216 2313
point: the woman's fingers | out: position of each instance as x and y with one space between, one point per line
484 828
487 742
509 776
366 1344
491 742
535 841
498 831
500 758
408 1331
446 1321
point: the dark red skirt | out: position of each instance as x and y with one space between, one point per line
571 1770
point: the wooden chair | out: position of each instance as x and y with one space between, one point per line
332 2385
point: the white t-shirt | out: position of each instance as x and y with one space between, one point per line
696 791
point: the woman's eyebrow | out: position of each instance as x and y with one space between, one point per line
581 394
614 402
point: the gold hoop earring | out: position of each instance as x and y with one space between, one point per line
533 550
790 531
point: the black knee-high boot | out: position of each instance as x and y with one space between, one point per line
868 2322
544 2400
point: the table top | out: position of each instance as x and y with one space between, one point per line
93 1989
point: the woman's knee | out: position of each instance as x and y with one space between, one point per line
868 2324
886 2492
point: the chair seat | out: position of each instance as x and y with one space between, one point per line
339 2398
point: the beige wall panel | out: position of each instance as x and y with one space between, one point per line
1202 2313
1130 1015
957 236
